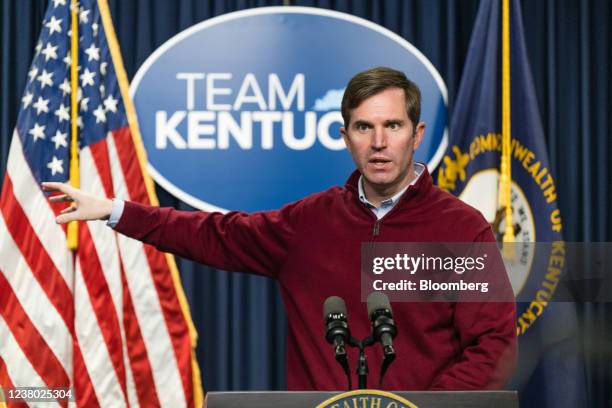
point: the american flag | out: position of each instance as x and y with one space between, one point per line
109 320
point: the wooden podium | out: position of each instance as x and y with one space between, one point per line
422 399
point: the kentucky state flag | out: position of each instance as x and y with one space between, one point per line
549 371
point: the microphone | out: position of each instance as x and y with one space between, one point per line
335 316
337 330
381 316
383 329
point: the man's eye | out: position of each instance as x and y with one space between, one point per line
394 126
363 128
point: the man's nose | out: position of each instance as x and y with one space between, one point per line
379 139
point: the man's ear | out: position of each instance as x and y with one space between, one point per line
419 132
345 136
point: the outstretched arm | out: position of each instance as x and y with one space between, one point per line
236 241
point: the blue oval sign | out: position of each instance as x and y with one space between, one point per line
242 111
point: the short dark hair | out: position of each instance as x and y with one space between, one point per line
375 80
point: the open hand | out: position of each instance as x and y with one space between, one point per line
85 206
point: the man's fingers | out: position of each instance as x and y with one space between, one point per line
52 186
61 198
67 210
67 215
85 207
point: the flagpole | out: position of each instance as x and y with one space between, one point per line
506 168
73 226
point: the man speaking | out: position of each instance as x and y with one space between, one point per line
312 247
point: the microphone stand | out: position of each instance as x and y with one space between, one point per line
362 362
389 357
342 358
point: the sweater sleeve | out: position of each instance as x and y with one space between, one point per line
256 243
488 344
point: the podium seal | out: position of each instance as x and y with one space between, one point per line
367 399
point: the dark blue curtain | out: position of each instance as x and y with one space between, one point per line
240 318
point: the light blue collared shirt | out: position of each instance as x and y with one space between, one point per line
116 212
388 204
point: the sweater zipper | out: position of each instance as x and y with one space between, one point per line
376 228
376 231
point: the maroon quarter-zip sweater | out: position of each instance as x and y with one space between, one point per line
312 247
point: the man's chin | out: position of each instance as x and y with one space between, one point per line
377 182
382 182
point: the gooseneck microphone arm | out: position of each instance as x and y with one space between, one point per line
383 328
337 331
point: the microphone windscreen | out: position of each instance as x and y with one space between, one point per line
377 301
335 305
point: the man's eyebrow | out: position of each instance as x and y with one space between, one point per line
394 122
361 122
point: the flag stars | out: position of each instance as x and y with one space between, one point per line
37 132
56 166
93 53
62 113
50 52
84 16
45 79
110 104
67 60
100 114
60 139
38 48
87 77
83 104
27 99
41 105
49 115
54 25
32 74
65 87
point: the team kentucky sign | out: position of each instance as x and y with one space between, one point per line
242 111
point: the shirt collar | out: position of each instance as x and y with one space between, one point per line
418 169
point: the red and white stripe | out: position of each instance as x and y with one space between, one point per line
148 272
106 322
